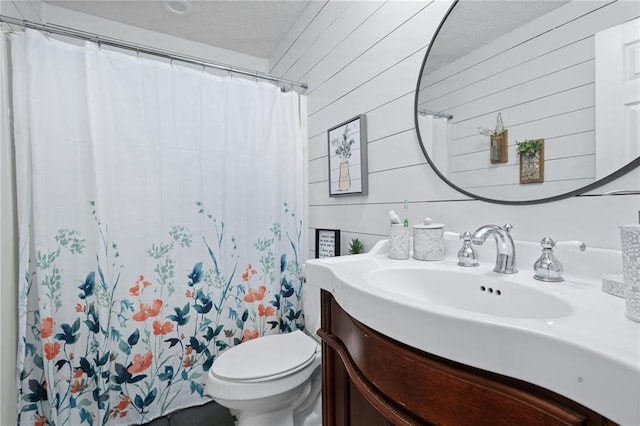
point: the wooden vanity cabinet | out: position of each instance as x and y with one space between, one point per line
372 380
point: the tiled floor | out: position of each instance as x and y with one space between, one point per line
210 414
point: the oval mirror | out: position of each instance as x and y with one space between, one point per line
524 102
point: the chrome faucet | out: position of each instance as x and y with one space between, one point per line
505 250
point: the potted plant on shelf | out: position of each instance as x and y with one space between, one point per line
343 150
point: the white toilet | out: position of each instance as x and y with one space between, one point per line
274 380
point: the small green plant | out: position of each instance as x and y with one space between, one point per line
343 146
356 246
528 147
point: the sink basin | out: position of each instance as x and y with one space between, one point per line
469 292
567 337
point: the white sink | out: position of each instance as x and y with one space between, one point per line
570 337
469 291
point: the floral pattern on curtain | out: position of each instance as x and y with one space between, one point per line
159 216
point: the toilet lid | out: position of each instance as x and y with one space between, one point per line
266 357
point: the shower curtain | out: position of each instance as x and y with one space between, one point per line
159 224
436 136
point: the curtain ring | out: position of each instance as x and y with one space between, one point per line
138 54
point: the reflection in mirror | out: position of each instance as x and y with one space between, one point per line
566 73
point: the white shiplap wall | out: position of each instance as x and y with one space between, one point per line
364 57
541 78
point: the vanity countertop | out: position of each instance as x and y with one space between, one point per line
590 354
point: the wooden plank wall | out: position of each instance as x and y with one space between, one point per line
364 57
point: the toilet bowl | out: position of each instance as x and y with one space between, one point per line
274 380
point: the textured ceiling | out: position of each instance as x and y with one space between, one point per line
251 27
473 24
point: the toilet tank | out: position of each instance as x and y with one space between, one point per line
311 308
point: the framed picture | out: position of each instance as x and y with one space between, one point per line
348 158
327 243
532 162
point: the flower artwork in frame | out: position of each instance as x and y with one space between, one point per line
348 158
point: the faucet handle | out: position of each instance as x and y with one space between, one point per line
451 235
467 255
548 268
547 243
571 245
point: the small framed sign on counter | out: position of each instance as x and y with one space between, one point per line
327 243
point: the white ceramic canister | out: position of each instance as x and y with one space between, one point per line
399 241
614 284
632 303
630 238
630 241
428 241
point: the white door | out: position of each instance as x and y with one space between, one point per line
617 65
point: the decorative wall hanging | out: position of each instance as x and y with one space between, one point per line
327 242
499 141
531 154
348 158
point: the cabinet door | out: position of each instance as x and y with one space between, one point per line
343 404
361 413
372 380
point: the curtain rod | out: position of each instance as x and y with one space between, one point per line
435 114
107 41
